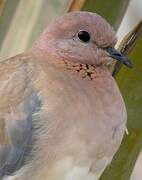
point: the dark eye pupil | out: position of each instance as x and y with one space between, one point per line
84 36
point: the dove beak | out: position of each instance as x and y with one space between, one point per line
118 56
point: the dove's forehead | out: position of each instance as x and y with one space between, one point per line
81 20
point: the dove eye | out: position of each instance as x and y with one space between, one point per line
83 36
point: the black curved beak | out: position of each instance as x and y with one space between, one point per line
118 56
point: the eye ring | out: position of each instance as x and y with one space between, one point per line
83 36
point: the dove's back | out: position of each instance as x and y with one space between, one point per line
18 103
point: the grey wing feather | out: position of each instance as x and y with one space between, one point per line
13 156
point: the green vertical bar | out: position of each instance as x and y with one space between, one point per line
6 17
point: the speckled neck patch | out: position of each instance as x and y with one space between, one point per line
84 70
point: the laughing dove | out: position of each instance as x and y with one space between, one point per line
62 116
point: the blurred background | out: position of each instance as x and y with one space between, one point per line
132 16
21 21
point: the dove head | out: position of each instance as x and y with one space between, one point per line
82 37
